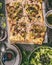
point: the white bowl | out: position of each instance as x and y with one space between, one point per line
46 22
18 59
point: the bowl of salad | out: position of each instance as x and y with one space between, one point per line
42 55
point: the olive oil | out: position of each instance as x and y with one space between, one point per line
49 19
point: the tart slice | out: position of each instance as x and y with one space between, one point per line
34 11
18 31
36 34
14 11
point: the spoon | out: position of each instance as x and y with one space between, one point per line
3 34
2 51
3 47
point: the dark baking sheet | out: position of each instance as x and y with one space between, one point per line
26 49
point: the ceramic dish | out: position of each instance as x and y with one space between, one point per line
41 56
17 59
46 15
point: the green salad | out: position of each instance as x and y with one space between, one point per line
41 56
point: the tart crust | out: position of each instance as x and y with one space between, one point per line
26 22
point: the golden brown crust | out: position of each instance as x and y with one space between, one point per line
26 22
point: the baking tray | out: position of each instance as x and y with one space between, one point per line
43 6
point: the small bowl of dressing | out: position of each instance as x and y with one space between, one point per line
48 19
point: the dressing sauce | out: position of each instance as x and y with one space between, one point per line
49 19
